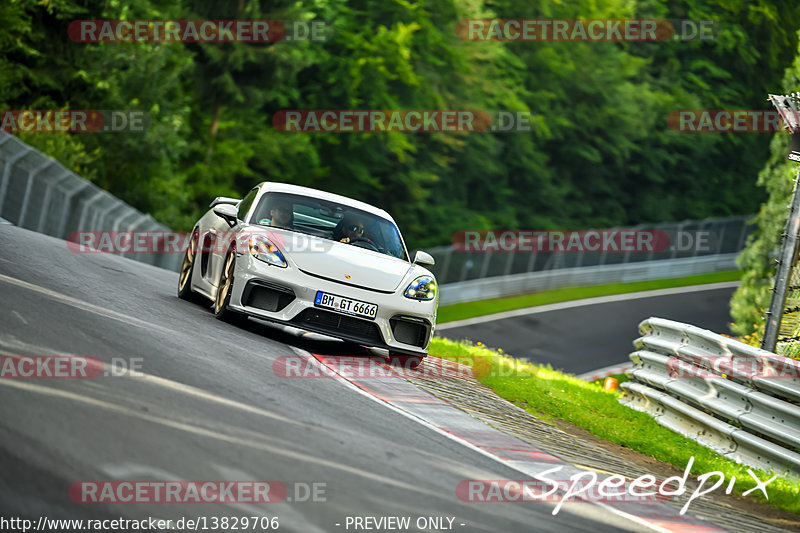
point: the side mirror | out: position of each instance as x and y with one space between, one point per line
424 259
228 212
224 200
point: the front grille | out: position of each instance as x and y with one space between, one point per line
267 296
343 326
413 331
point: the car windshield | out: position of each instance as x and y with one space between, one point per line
329 220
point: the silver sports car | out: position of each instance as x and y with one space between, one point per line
316 261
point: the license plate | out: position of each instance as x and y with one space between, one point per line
346 305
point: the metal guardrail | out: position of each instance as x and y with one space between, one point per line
496 287
468 276
738 400
39 193
726 235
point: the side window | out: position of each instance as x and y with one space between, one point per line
247 201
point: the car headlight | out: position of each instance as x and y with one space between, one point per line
262 249
422 288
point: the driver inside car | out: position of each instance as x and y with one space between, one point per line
351 229
281 215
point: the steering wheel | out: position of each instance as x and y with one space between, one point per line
364 243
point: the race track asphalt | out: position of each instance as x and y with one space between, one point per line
583 336
208 406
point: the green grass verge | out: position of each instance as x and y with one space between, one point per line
448 313
550 395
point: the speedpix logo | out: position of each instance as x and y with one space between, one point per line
588 486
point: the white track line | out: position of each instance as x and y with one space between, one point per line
633 518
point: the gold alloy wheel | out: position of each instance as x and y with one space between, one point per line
225 278
188 262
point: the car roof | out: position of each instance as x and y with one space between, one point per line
273 186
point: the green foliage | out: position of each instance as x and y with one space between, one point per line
599 154
757 261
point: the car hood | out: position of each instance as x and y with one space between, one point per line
352 265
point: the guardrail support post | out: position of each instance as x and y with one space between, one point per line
787 259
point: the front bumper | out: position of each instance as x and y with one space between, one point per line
286 295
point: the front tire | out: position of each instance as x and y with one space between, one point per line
224 290
185 291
